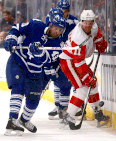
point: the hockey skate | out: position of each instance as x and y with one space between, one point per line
100 117
67 118
13 125
62 113
28 125
53 113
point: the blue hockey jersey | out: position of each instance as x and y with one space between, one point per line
35 31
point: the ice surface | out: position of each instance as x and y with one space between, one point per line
49 130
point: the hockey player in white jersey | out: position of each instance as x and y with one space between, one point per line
74 66
24 71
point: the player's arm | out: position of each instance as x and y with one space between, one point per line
17 30
83 69
100 42
12 37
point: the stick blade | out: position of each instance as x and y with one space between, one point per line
73 126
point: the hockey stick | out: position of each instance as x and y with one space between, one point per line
72 125
53 48
91 61
47 48
46 87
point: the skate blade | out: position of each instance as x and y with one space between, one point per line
53 118
102 124
64 126
61 121
10 132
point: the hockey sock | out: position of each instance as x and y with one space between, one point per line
56 95
77 100
30 108
74 105
94 101
15 103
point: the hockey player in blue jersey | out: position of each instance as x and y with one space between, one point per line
71 21
62 86
24 71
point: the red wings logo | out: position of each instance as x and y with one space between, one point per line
88 14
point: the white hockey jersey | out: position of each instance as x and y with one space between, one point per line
75 38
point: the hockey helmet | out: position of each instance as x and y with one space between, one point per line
87 15
58 21
56 11
63 4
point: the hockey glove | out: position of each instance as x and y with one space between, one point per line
88 80
101 46
10 42
34 48
100 42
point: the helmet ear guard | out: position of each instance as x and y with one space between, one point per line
87 15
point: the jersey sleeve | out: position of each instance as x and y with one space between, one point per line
24 28
100 42
99 37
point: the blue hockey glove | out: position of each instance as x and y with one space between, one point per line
34 48
9 43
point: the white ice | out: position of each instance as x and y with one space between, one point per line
49 130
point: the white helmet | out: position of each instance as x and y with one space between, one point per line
87 15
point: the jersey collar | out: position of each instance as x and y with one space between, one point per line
45 31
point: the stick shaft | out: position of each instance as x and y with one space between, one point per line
89 90
47 86
48 48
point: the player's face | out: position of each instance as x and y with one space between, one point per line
66 12
87 25
55 31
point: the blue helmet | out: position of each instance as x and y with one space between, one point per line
56 11
59 21
63 4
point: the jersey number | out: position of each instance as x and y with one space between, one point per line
78 52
